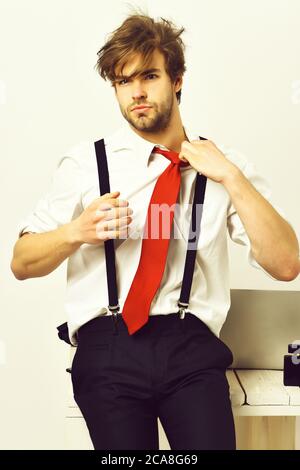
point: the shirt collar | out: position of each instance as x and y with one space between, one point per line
126 139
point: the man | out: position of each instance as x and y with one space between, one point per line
152 362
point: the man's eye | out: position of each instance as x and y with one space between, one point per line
124 80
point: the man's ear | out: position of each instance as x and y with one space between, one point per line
178 84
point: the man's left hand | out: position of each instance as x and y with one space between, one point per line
206 158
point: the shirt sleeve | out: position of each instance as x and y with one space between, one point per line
235 226
61 203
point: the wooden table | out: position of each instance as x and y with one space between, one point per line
264 409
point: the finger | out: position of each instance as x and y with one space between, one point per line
107 225
182 157
119 224
117 213
108 212
122 234
188 149
103 206
113 203
109 195
119 202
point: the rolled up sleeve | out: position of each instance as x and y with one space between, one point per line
61 203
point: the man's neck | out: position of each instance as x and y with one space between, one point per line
172 137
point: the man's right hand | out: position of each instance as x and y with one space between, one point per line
106 217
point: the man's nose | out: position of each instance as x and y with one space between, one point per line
138 91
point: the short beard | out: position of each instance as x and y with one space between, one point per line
157 123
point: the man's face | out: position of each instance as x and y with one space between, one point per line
152 88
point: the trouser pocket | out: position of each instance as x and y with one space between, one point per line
90 367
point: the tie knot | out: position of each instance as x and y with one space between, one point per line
171 155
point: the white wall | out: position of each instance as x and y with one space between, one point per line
242 87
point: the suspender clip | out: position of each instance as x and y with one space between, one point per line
182 313
182 309
114 310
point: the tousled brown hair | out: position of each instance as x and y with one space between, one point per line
141 34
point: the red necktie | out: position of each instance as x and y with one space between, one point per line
154 250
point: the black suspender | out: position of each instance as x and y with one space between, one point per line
109 247
194 232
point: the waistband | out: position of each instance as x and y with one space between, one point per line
160 323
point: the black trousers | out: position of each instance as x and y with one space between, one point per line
171 368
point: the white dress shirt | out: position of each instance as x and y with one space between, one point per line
133 170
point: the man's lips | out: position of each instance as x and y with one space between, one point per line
140 107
